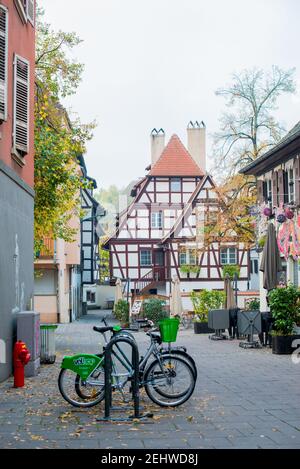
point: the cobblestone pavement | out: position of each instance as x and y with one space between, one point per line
243 399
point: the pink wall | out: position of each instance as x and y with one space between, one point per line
21 40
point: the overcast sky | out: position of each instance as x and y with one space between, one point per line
157 63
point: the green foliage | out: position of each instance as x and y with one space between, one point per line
231 270
262 241
206 300
190 269
121 311
58 141
154 310
285 309
104 261
253 305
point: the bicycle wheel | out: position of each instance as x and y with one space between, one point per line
81 393
185 356
169 381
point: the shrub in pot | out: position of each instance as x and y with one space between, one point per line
231 270
121 312
154 310
285 309
203 302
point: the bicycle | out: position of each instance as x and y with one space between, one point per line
160 378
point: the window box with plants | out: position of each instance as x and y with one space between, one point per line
203 302
284 304
190 269
231 270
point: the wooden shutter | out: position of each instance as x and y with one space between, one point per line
297 180
274 189
30 11
281 186
260 191
3 62
21 104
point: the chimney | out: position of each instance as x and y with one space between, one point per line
157 144
197 143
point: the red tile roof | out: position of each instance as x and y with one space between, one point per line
175 160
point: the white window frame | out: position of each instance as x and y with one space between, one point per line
145 264
269 192
5 84
226 251
21 10
31 19
187 257
17 150
156 220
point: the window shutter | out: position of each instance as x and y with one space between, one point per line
21 104
281 186
260 191
30 11
275 189
297 180
3 62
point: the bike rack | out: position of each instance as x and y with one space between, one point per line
134 382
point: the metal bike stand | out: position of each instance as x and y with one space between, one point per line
134 383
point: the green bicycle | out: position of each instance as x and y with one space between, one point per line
169 380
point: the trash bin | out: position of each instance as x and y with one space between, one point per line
48 343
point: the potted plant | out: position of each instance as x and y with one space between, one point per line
203 302
121 311
154 309
285 309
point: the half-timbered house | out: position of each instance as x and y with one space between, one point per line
160 235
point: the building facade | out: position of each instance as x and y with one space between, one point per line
278 187
17 62
160 235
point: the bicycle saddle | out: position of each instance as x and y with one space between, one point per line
103 329
155 336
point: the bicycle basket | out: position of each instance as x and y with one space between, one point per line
169 329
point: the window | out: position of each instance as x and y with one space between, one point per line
3 62
175 185
228 256
30 11
187 257
156 220
254 266
269 192
146 257
21 106
90 296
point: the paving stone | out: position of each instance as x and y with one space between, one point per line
234 403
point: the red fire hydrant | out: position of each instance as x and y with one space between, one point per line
21 358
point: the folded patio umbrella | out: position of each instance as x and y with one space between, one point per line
175 300
271 262
118 292
229 299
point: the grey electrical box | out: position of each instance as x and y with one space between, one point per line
28 330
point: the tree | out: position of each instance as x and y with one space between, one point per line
58 140
248 129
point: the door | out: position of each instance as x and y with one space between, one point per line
159 265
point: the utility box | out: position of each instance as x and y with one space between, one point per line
28 331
